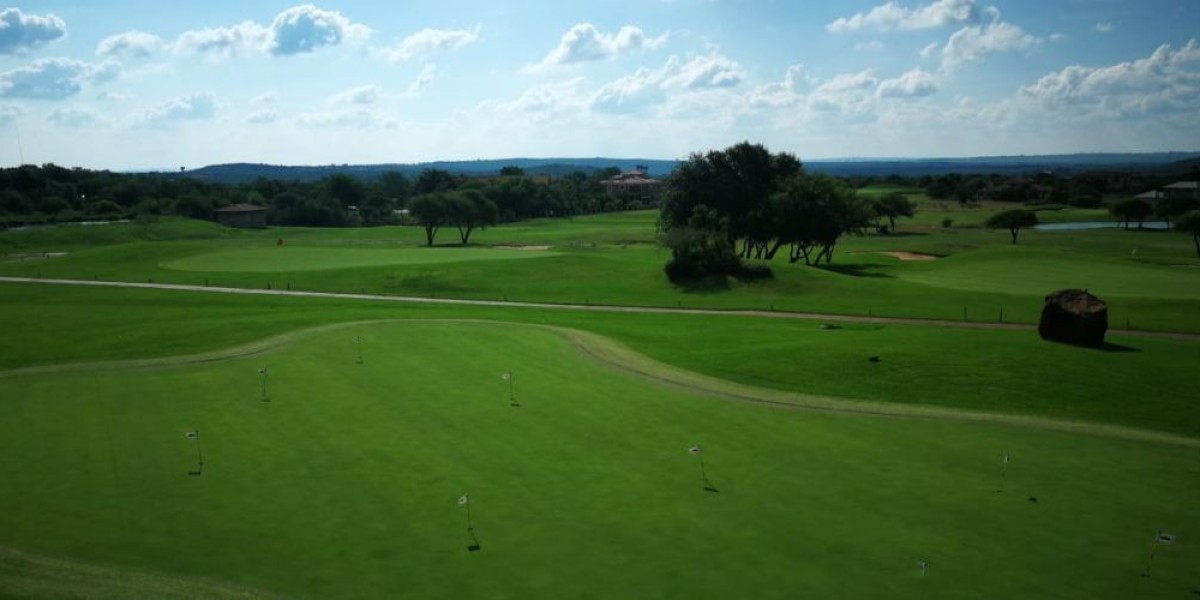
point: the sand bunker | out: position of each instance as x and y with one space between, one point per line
904 255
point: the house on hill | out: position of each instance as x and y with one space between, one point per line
1182 190
243 216
635 187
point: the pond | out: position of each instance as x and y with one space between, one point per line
1080 225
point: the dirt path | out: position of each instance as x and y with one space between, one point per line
585 307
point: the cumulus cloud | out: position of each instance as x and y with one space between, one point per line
849 93
913 84
358 119
973 43
892 15
200 105
1105 27
779 94
223 42
547 97
585 43
111 97
647 87
131 44
262 117
55 78
428 41
265 98
20 32
1168 81
424 78
875 46
363 94
305 28
71 117
297 30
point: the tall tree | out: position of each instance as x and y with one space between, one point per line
1189 222
894 205
431 212
1131 209
1013 220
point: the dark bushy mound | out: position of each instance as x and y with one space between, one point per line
1074 317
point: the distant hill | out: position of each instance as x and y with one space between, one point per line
556 167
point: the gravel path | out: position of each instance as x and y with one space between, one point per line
585 307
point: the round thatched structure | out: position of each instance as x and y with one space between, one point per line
1074 317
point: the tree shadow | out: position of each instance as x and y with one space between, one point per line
712 284
474 545
1101 347
857 270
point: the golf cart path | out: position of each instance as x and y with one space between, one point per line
584 307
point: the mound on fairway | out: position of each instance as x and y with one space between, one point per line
1041 270
345 482
314 258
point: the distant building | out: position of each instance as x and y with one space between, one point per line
635 187
244 216
1182 190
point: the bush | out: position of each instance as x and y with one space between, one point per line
947 222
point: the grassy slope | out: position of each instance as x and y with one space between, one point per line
996 371
1155 289
344 484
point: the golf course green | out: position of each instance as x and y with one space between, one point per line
234 441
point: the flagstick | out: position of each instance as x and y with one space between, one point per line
199 455
264 383
703 475
358 342
469 527
512 399
1153 549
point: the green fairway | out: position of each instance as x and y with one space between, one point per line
312 258
345 483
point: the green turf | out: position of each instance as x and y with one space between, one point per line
344 483
310 258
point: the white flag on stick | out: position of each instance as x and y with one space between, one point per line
262 370
1006 459
506 376
1163 537
463 500
695 450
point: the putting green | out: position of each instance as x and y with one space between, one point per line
345 483
315 258
1042 270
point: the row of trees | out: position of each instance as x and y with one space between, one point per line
49 193
745 202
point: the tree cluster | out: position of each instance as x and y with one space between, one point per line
746 202
47 194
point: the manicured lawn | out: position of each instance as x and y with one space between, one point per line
312 258
345 483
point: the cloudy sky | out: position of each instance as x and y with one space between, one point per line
134 84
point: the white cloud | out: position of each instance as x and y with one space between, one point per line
1058 37
111 97
21 33
201 105
363 94
547 97
358 119
223 42
1166 82
262 117
265 98
55 78
929 50
1105 27
973 43
584 43
131 44
779 94
427 41
711 70
71 117
913 84
305 28
630 93
297 30
875 46
424 78
849 93
892 15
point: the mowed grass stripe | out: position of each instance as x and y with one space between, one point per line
344 484
315 258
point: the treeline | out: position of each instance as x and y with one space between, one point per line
32 194
1090 189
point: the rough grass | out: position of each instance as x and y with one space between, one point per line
344 484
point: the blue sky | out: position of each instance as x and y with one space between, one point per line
132 84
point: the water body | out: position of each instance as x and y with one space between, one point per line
1081 225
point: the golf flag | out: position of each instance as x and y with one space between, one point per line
192 434
695 450
506 376
463 500
262 370
1006 459
357 340
1163 537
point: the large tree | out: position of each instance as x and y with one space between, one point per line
1189 222
469 210
1013 220
810 213
431 212
893 205
1131 209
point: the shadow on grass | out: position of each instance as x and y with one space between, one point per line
1104 347
857 270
